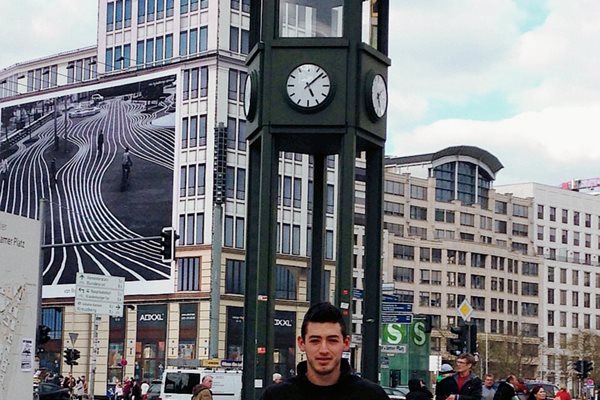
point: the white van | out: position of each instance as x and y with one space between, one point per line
177 384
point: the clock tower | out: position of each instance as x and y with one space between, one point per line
316 84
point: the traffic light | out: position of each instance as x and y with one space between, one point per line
42 337
68 356
458 345
168 237
587 367
76 356
472 339
578 367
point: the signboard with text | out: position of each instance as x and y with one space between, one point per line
99 294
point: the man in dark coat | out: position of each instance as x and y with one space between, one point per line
507 390
463 385
324 374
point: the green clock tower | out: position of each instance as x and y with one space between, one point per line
317 84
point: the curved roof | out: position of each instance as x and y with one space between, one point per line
471 151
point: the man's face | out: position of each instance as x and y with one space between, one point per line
208 382
489 381
462 365
323 345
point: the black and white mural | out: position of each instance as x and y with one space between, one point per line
103 159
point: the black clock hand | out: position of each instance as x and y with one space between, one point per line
308 84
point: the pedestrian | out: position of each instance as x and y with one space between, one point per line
202 391
145 386
127 388
537 393
100 143
79 391
136 390
508 389
119 391
487 390
277 378
445 370
3 170
563 394
418 390
53 171
126 164
463 384
325 374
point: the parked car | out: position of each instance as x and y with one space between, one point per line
153 391
97 98
396 393
83 112
51 391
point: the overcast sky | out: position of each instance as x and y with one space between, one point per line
520 78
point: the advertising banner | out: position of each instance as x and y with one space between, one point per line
104 160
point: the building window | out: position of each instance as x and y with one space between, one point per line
188 274
235 276
286 283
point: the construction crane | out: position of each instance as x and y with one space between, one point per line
581 184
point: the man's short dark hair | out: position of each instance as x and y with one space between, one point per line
468 357
323 312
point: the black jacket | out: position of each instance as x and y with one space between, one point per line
505 391
348 387
471 390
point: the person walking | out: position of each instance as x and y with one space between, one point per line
126 164
507 390
563 393
445 371
487 390
202 391
277 378
136 390
325 374
537 393
418 390
463 384
100 143
3 170
53 171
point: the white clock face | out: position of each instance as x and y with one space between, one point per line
379 95
247 95
308 86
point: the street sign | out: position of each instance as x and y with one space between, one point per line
395 349
396 319
393 308
73 336
357 294
99 294
465 310
386 298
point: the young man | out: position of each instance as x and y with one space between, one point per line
463 385
506 390
488 391
324 374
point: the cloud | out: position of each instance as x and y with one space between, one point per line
449 53
38 28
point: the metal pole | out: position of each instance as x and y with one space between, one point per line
42 219
94 352
215 278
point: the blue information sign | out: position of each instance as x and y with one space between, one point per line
393 308
390 298
396 319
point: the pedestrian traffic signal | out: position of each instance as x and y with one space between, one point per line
458 345
68 356
168 237
76 356
472 339
43 334
588 366
578 367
